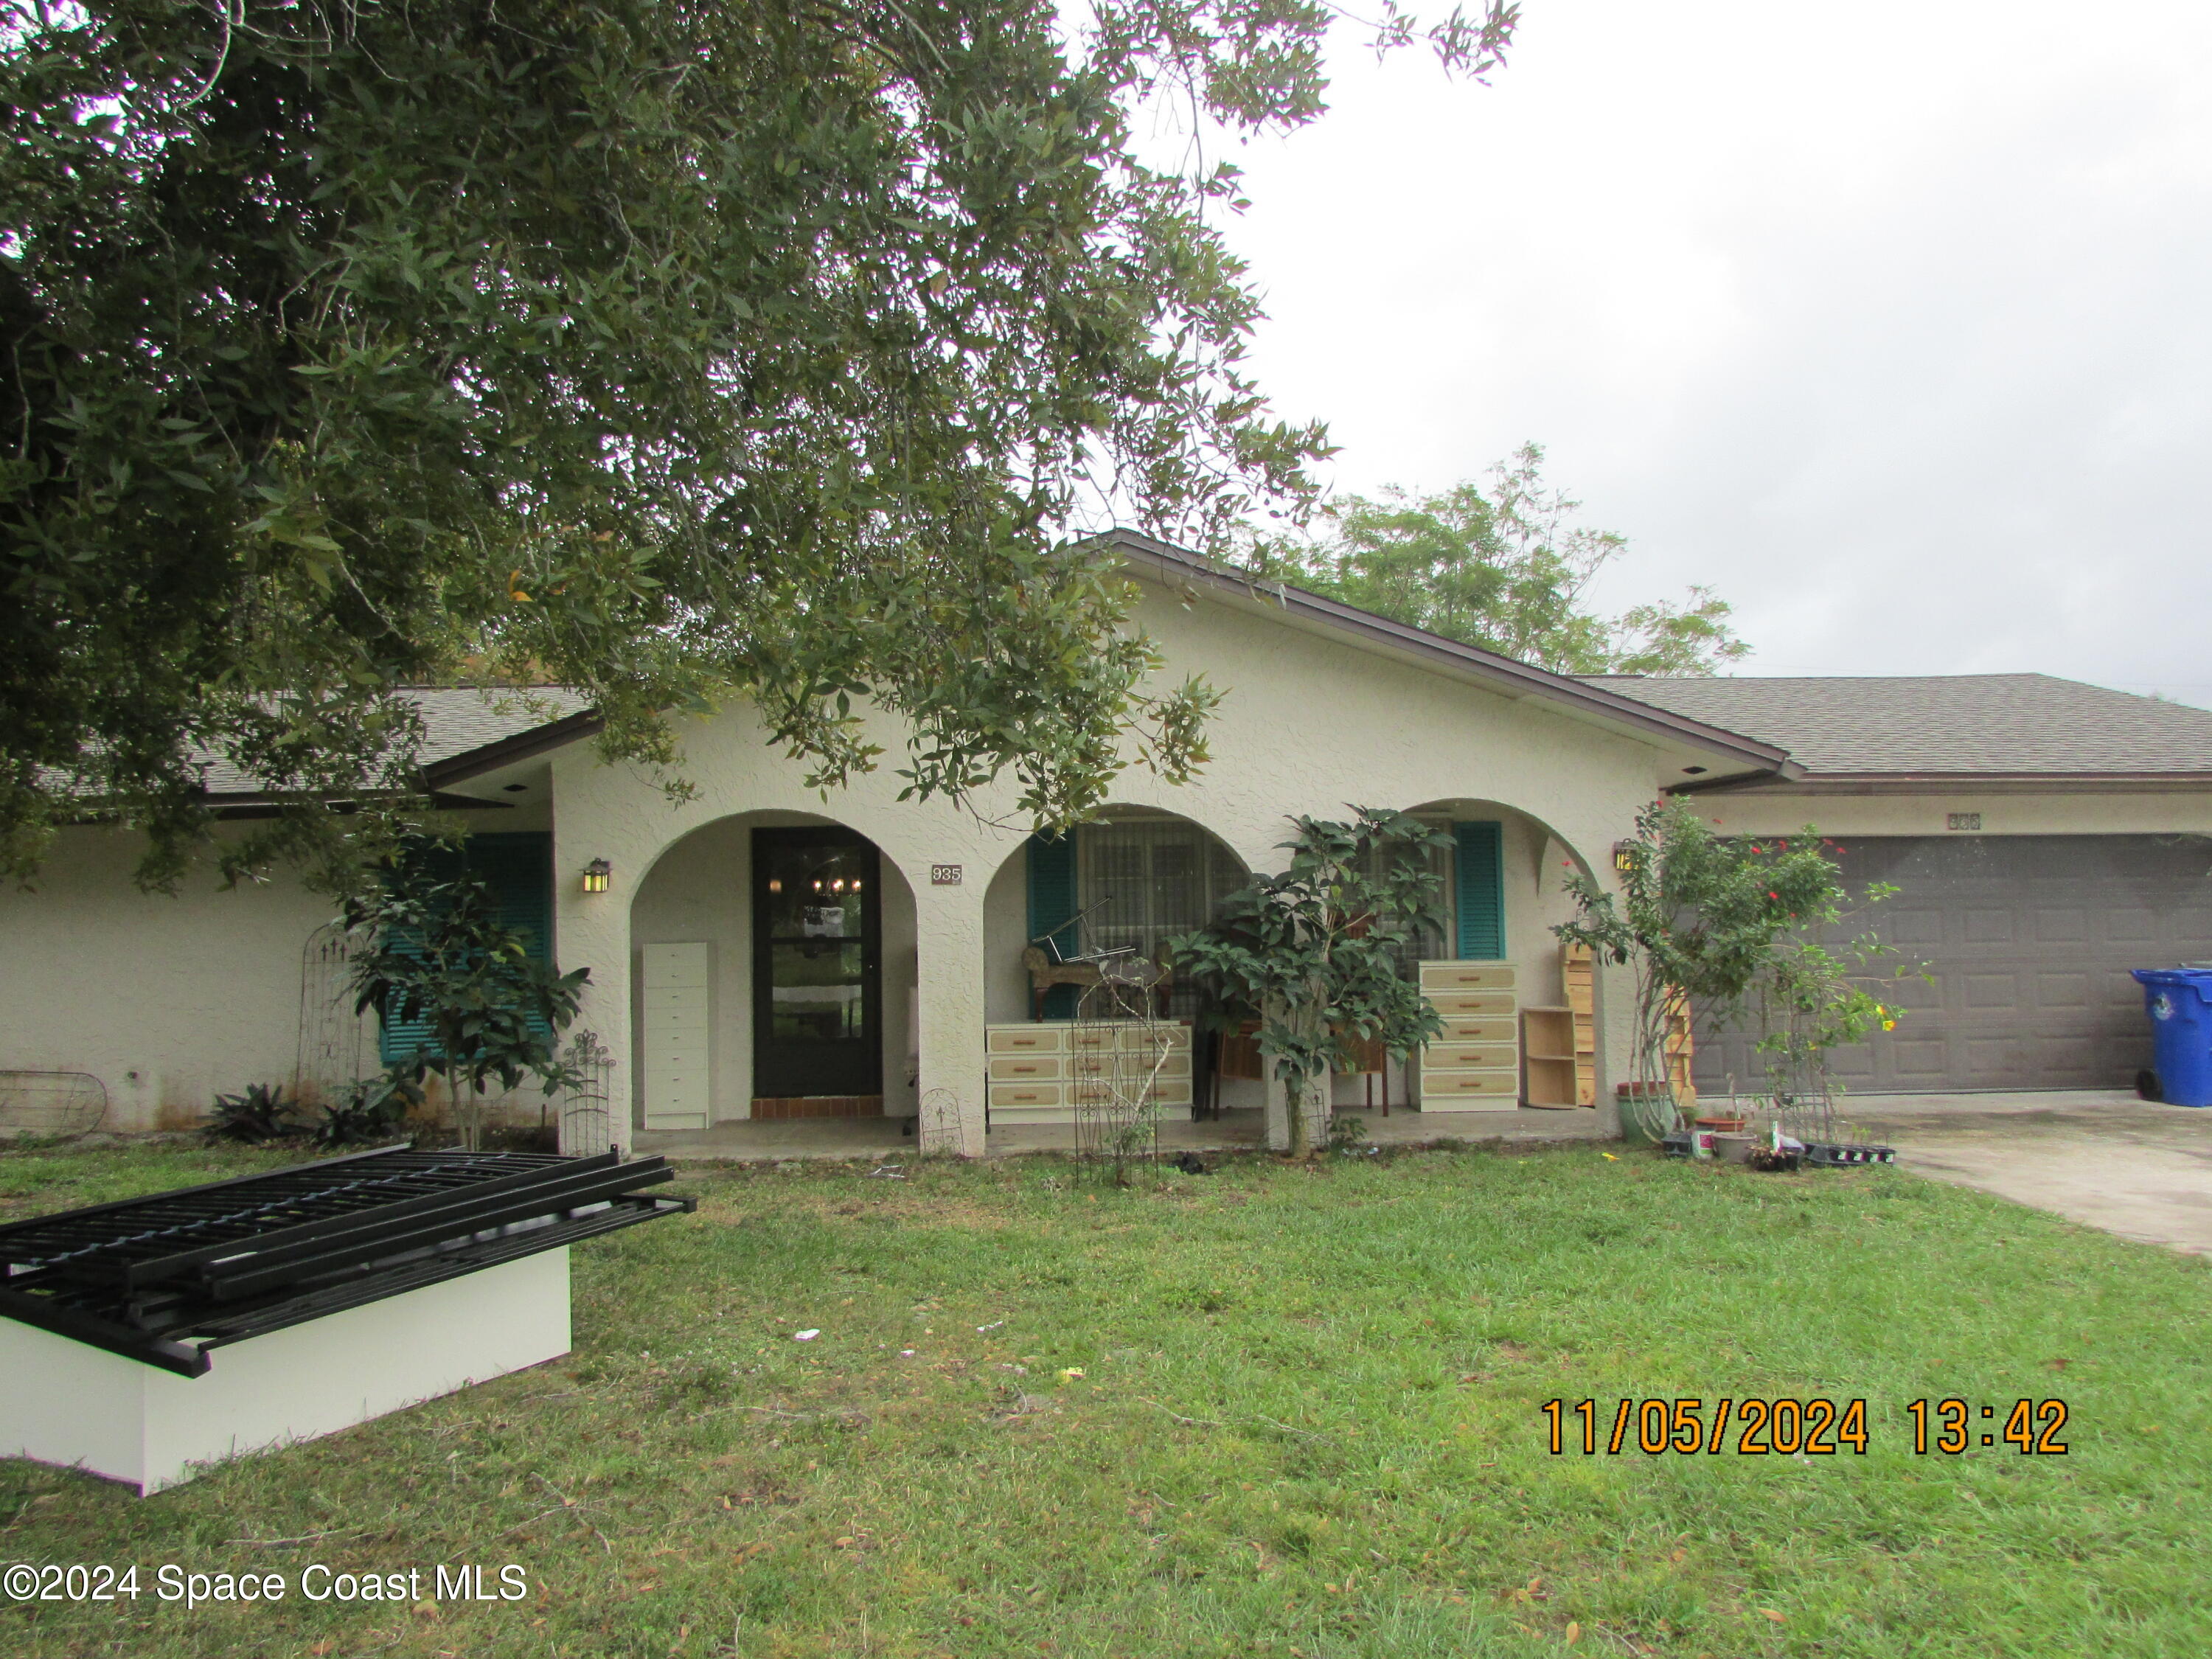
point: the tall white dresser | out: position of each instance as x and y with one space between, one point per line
678 1062
1474 1064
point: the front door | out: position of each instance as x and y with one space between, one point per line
817 972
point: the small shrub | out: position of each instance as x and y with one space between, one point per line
370 1109
442 955
261 1112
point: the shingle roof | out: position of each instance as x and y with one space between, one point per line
456 721
1942 724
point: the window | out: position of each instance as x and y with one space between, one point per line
1428 944
517 867
1138 882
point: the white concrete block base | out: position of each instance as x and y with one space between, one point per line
67 1403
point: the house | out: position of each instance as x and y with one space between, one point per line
2045 837
726 991
762 951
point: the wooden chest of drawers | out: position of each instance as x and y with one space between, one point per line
1474 1064
1048 1073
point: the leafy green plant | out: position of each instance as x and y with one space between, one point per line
1312 954
439 953
675 352
1739 926
368 1110
1814 999
1503 565
260 1112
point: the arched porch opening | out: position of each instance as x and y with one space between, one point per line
1521 1020
1131 879
1506 911
773 969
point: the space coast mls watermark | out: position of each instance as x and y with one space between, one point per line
449 1581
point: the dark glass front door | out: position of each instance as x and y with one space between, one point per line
817 973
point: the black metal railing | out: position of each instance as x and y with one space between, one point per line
164 1278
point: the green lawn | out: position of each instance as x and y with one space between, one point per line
1306 1423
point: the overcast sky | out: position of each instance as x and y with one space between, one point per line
1890 322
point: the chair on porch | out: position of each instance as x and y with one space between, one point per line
1046 970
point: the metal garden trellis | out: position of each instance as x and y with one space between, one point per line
332 1035
587 1109
1119 1048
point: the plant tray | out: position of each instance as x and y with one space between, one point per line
1836 1155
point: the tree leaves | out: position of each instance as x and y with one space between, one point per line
439 953
1503 566
1735 924
775 347
1312 953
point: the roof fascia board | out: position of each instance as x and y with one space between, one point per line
1516 679
522 746
260 806
1923 783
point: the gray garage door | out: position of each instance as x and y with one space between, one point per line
2030 939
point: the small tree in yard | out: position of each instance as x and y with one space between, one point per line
1734 925
442 955
1311 954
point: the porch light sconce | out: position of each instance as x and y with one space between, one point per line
1624 855
599 876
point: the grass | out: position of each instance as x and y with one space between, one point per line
1272 1410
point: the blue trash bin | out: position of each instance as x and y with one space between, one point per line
2179 1003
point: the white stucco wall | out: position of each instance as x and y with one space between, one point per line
1764 813
168 999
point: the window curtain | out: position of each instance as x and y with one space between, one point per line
1135 884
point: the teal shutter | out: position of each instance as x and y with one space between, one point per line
1052 905
1480 886
517 867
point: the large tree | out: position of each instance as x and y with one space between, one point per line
672 349
1505 564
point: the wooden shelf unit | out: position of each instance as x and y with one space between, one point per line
1547 1056
1681 1050
1575 969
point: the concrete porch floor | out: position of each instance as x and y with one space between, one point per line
777 1140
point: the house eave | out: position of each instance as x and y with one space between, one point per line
507 751
1957 783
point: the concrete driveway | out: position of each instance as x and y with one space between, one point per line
2104 1159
